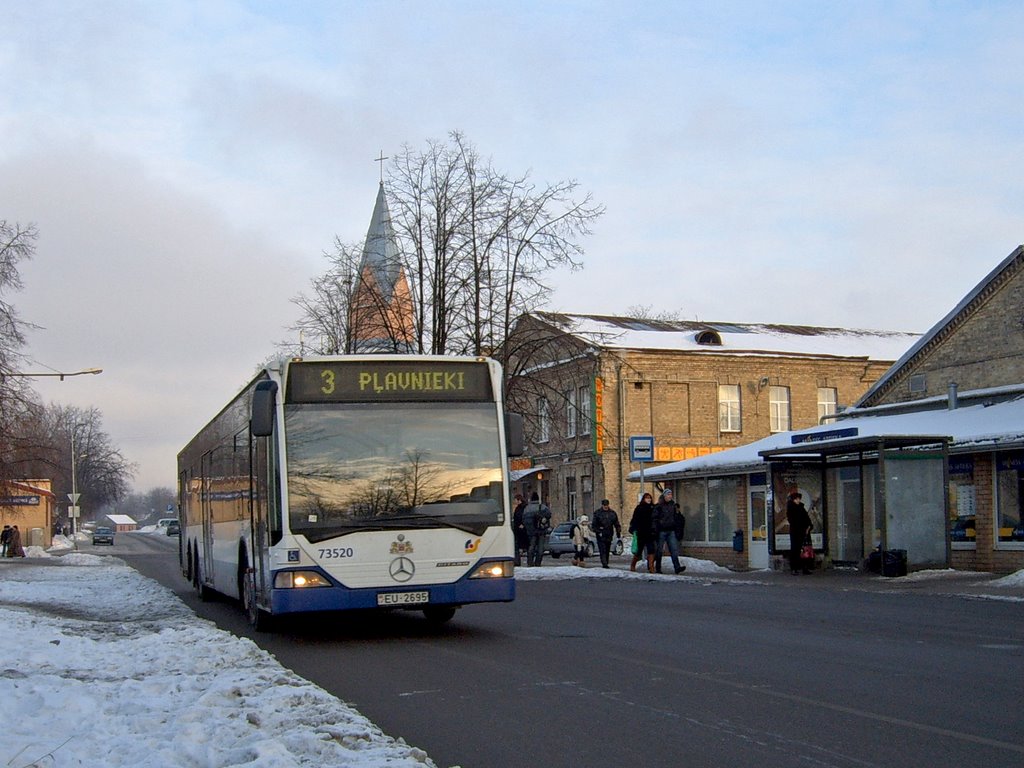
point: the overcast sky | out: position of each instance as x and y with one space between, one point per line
188 163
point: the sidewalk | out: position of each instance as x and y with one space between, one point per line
968 584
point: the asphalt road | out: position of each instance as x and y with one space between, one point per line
687 673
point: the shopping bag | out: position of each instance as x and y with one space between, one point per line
807 552
634 547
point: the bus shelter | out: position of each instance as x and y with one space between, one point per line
884 493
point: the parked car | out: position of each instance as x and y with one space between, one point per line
560 542
103 536
174 528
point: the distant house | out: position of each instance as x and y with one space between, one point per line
122 523
587 384
929 462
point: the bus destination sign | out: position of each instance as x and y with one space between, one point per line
383 381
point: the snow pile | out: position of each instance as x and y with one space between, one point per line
1013 580
121 673
593 570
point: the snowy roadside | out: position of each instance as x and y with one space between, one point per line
94 675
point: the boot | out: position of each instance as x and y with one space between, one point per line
632 566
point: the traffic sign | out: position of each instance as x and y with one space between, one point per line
641 448
73 497
74 511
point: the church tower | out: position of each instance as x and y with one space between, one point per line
381 310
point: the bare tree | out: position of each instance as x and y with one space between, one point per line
101 474
325 324
479 242
17 400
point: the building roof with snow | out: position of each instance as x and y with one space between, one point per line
722 338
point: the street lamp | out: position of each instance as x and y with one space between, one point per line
59 374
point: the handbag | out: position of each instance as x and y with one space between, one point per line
807 551
635 546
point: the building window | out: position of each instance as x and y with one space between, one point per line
570 413
583 408
778 408
729 408
543 420
826 402
711 508
918 383
1010 498
962 497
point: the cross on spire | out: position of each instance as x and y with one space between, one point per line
381 160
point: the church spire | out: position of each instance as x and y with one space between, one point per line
381 309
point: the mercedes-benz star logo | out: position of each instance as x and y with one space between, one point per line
402 569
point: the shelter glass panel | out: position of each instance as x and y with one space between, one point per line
690 496
915 506
723 508
1010 494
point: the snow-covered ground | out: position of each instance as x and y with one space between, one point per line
94 674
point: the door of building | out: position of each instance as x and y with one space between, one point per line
758 527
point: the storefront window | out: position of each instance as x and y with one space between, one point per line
711 509
961 500
1010 492
691 501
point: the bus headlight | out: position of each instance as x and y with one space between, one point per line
299 580
494 570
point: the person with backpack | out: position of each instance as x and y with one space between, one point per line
605 525
537 522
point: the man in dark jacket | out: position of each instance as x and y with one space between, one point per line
537 522
604 525
664 519
522 538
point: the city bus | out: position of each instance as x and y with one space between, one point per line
354 482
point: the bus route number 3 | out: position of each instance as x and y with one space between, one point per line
335 552
327 377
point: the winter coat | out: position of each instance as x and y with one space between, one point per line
580 531
606 523
536 518
642 522
664 516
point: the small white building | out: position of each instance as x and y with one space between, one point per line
122 523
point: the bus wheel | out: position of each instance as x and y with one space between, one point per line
197 580
259 619
439 614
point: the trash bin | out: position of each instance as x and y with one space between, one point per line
35 537
737 540
894 562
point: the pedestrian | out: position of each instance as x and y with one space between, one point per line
537 522
522 538
5 537
799 532
579 540
642 528
14 548
665 524
605 526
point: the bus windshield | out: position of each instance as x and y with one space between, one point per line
384 466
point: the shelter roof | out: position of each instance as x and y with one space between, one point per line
121 520
996 425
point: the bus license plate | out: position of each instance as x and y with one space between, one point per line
403 598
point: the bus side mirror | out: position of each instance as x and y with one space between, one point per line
514 434
264 398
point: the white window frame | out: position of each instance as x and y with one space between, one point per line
543 420
583 409
730 413
827 407
570 413
779 409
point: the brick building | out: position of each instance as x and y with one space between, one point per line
30 505
587 383
929 462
